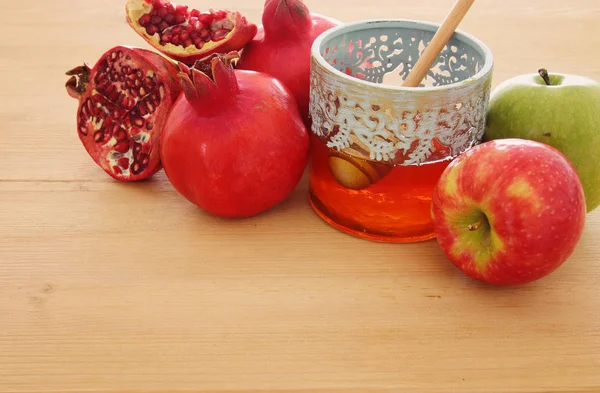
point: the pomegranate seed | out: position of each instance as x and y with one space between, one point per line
179 18
181 9
193 20
150 106
166 37
86 108
138 122
114 95
170 8
149 83
161 91
120 135
99 77
175 40
205 34
110 88
120 99
122 147
153 12
221 14
199 43
127 122
187 43
131 76
144 20
195 13
170 19
156 20
117 170
102 86
124 163
98 136
189 29
205 18
219 35
200 27
144 158
149 125
113 56
163 25
116 113
134 93
136 168
115 129
143 109
83 129
137 148
184 35
162 12
130 103
157 4
177 30
152 29
137 83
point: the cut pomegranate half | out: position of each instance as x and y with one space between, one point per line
188 35
123 103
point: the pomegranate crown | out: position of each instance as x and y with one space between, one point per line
211 81
78 81
285 17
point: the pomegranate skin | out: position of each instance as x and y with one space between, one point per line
282 46
119 126
237 158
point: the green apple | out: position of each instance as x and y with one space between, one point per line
560 110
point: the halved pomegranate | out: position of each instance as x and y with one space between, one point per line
123 103
188 35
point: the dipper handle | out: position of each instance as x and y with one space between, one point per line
439 40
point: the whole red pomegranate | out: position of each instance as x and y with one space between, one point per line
282 46
234 143
186 34
123 103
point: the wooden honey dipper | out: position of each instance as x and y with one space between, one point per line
439 40
358 174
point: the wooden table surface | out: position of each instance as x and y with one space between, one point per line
108 287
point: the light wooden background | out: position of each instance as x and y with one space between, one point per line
108 287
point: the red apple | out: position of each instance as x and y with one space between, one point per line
509 211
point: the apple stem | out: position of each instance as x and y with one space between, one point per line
475 226
544 74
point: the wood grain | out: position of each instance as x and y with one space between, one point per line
108 287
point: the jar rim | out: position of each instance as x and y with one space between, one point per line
373 24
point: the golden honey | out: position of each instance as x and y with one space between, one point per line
371 200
